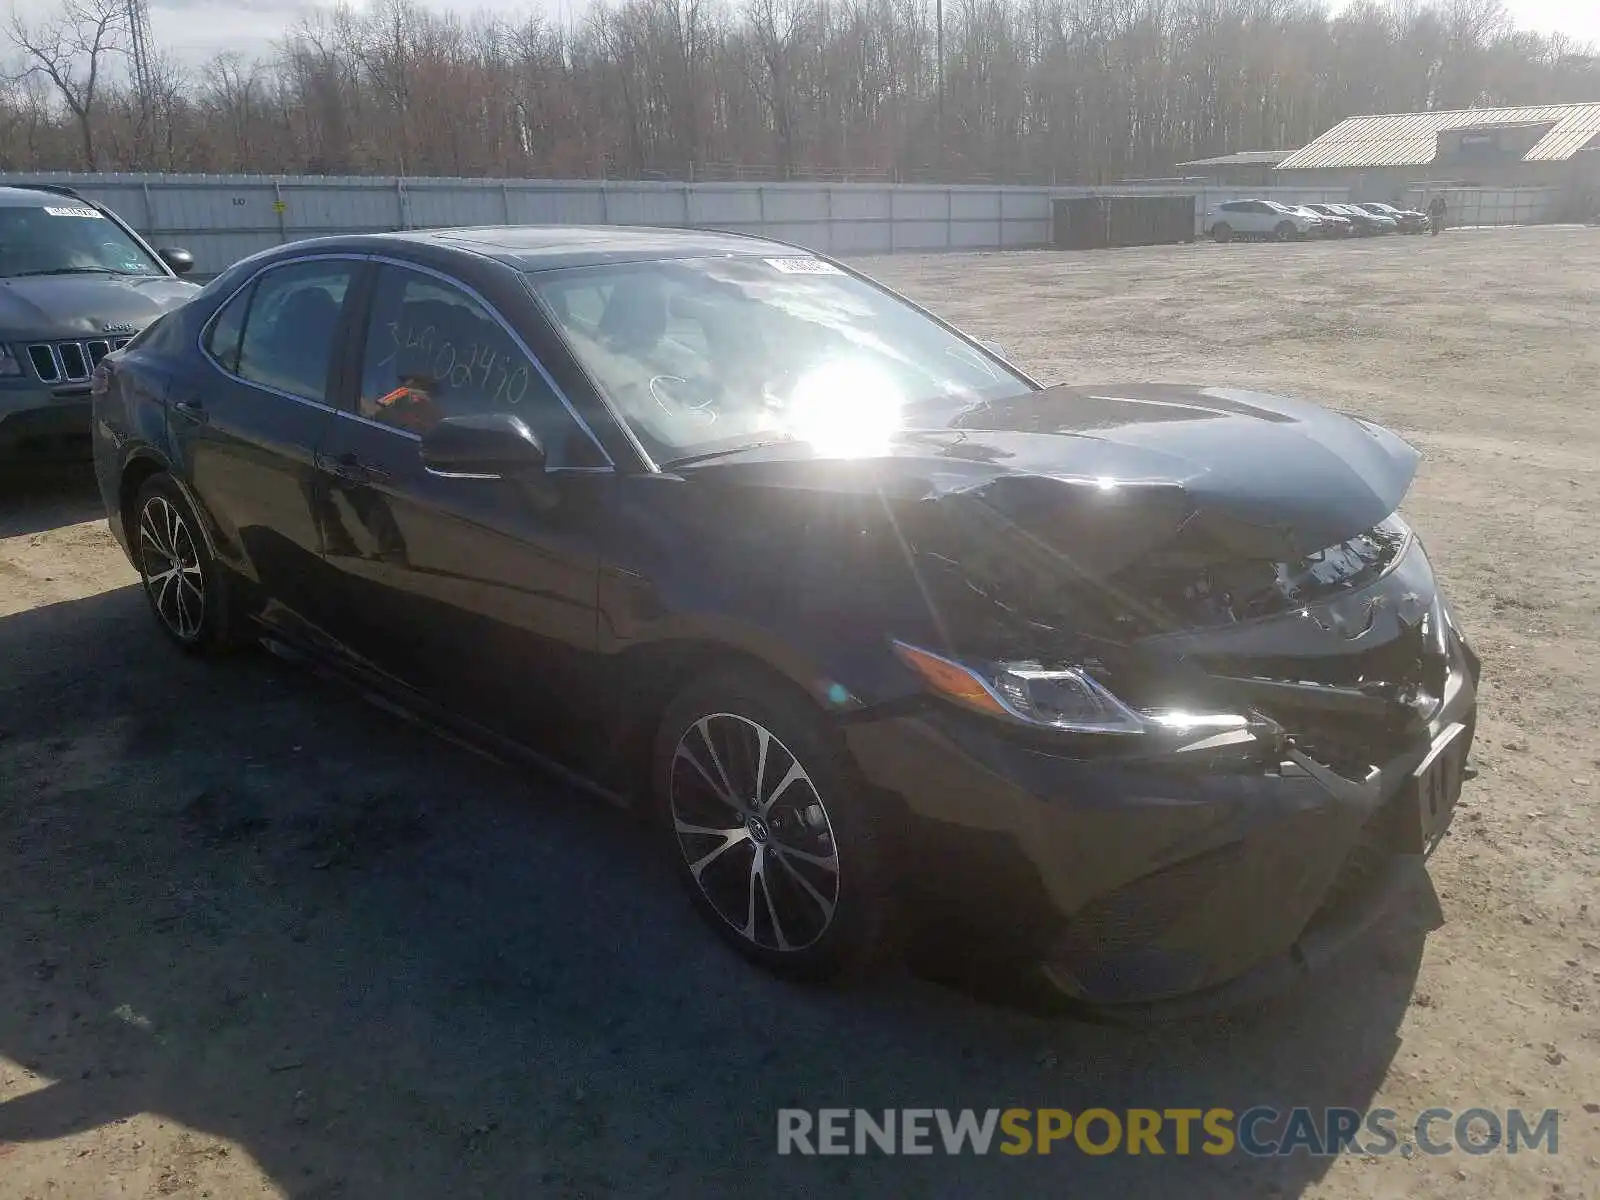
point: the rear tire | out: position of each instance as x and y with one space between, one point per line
186 587
1222 232
776 839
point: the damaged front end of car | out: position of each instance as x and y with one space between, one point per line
1227 736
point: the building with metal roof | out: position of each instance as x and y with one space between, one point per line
1395 156
1245 168
1551 133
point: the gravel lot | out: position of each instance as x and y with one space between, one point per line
258 938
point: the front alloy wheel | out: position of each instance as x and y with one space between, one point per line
778 841
169 559
754 832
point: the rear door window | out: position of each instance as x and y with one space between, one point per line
290 326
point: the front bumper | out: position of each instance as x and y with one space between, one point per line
40 422
1148 887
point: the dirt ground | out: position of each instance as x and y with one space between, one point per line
258 939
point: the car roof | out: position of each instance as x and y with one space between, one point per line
22 196
548 247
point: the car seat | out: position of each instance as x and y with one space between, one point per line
635 317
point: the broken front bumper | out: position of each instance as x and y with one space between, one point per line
1149 886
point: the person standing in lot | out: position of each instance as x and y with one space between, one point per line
1436 212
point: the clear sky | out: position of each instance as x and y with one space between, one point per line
196 29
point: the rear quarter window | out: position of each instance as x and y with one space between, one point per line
227 327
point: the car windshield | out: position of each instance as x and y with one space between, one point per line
67 238
704 356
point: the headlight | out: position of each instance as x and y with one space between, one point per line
8 363
1064 698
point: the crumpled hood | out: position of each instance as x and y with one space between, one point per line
1118 469
57 307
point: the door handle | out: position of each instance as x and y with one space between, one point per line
349 466
192 410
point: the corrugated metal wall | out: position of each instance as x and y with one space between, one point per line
1492 206
222 218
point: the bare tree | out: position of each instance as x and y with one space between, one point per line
1075 90
71 50
778 30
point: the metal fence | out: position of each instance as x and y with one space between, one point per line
1493 206
221 219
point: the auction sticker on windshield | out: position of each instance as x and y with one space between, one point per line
75 212
803 266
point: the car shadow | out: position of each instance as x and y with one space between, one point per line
36 496
242 899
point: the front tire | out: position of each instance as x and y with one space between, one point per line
1286 231
186 587
1222 232
775 838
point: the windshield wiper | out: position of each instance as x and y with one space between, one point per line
688 459
75 271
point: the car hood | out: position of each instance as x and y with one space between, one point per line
68 306
1117 470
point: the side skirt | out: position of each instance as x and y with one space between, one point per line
410 706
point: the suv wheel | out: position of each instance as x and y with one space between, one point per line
1286 231
1222 232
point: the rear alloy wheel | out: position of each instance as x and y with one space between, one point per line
1222 232
768 828
181 580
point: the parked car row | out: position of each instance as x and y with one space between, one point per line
1244 220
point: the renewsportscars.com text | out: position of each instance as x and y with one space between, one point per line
1260 1131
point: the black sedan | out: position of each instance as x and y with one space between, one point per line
1408 219
1363 223
1148 688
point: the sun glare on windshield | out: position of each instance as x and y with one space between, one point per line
705 356
845 408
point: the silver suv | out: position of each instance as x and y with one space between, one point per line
1259 219
76 284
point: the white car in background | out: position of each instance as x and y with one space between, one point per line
1260 219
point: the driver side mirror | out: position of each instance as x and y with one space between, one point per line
483 446
181 261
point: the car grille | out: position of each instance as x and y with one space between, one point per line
71 362
1138 912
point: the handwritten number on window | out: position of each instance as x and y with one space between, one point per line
493 372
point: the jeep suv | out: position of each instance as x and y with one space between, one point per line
76 284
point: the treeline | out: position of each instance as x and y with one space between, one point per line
1074 90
